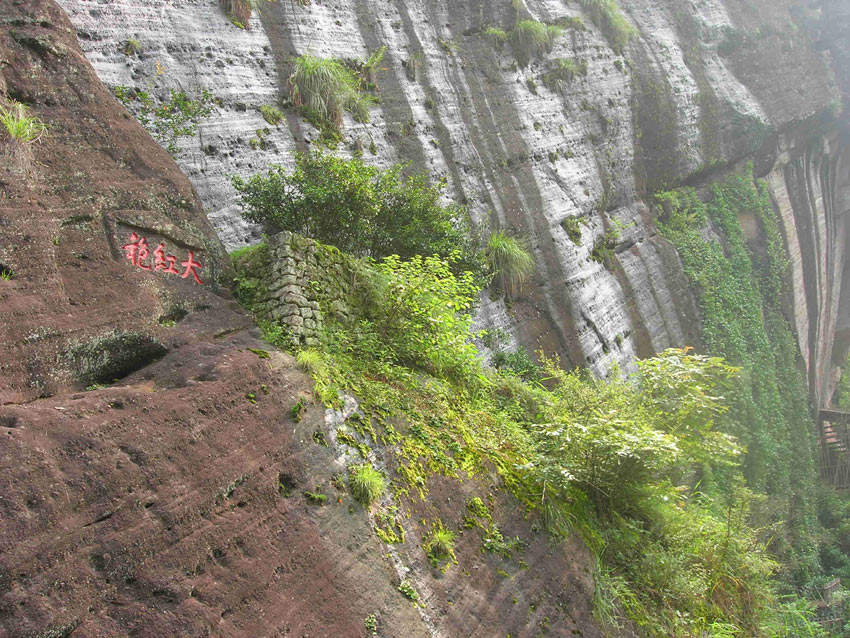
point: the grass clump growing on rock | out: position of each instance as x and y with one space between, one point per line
133 46
366 483
509 260
440 546
271 114
530 38
563 72
324 89
21 130
572 226
610 20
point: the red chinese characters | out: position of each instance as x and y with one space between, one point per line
137 252
164 262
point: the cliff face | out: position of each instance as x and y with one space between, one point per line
699 86
172 503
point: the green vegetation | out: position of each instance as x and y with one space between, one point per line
572 226
439 546
574 23
607 16
450 47
133 46
408 591
323 89
497 37
366 483
296 412
556 78
371 623
691 481
603 247
528 39
360 209
168 120
742 294
21 127
271 114
509 261
315 498
518 363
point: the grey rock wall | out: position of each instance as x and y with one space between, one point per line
703 83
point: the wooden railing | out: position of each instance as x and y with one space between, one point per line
834 447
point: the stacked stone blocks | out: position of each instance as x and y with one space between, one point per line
305 282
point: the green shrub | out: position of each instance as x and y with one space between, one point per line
366 483
170 119
509 261
360 209
518 363
610 20
421 316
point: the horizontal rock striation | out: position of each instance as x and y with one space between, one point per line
693 90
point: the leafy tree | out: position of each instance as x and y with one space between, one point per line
360 209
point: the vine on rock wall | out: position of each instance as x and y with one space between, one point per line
741 288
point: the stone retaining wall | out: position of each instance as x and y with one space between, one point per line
302 284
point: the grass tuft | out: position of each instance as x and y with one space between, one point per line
324 88
271 114
366 483
509 260
20 126
530 38
610 20
22 130
440 545
564 71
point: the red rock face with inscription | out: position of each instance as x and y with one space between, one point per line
151 474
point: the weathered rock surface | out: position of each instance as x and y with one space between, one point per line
171 503
702 83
